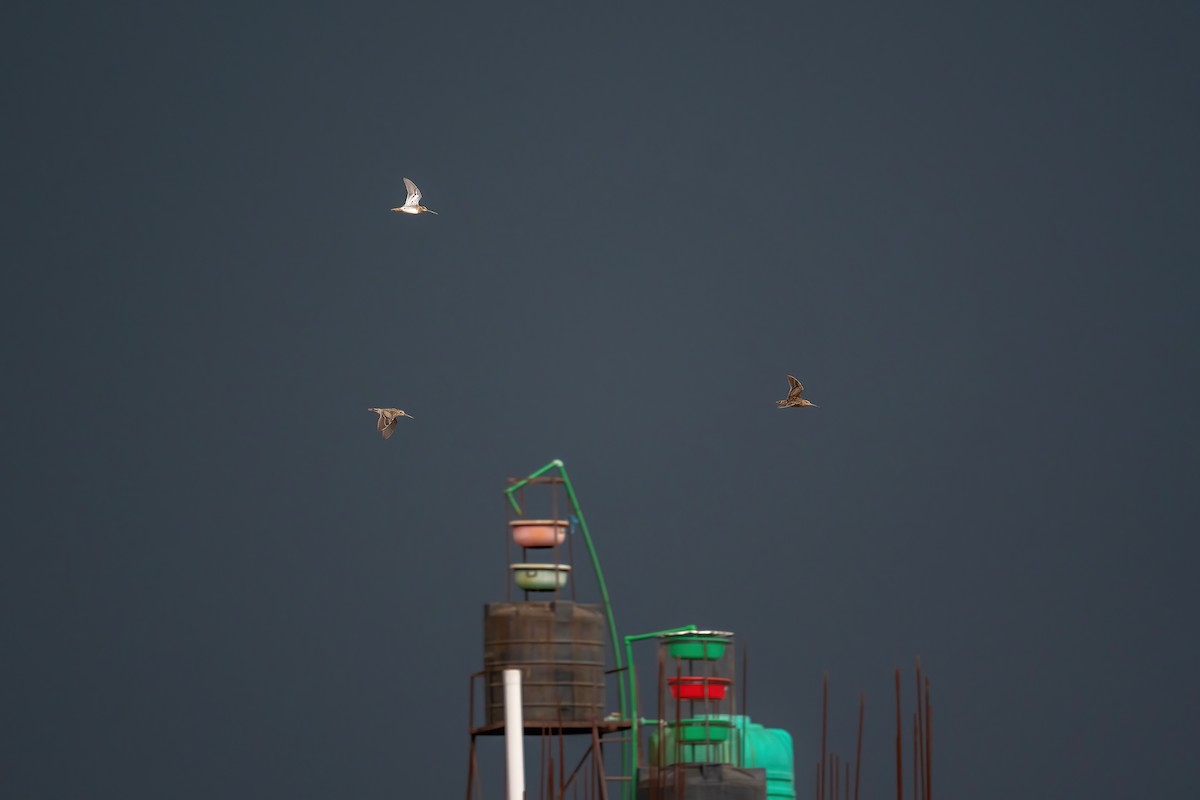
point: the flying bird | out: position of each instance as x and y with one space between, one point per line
387 419
413 204
793 399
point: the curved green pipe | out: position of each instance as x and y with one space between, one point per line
587 538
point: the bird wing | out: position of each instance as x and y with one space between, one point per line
382 423
794 386
388 429
414 194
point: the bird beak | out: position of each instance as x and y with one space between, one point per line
410 416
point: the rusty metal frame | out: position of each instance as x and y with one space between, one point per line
550 735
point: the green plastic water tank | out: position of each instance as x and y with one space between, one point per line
772 749
749 745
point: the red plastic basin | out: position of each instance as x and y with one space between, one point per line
699 688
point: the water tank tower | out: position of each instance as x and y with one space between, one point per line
558 638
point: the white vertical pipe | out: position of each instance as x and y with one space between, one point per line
514 735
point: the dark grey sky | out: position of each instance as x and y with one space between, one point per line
971 232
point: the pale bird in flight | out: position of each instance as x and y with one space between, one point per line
793 399
413 204
387 419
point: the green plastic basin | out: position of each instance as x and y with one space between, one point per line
706 648
691 731
540 577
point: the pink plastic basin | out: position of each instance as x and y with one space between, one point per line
538 532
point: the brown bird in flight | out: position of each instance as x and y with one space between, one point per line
794 400
387 419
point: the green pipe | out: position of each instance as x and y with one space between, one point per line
630 752
509 491
587 538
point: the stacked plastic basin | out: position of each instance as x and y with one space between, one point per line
539 534
710 732
700 683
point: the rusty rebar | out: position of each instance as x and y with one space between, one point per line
657 792
916 759
743 679
471 768
554 793
678 735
